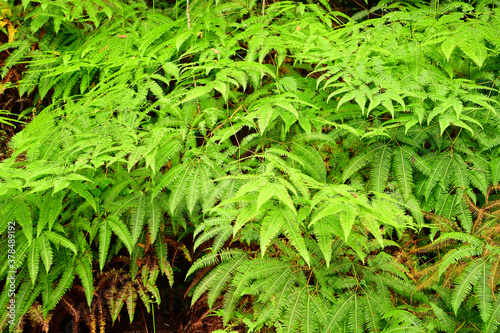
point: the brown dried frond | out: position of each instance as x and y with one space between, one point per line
443 223
35 313
475 209
434 246
69 305
492 205
490 189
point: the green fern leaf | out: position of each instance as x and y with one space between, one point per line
332 207
292 231
373 308
356 317
347 219
162 255
494 320
245 215
83 267
179 189
34 260
436 174
78 188
465 216
137 219
45 252
154 220
271 226
63 284
293 312
221 229
405 322
23 215
465 283
49 211
216 281
193 191
104 242
380 169
455 255
371 223
278 274
361 161
168 178
403 172
277 190
323 232
483 292
445 322
120 230
60 240
338 312
495 171
310 322
25 296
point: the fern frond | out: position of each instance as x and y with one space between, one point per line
217 280
455 255
380 168
64 283
403 172
45 252
83 267
338 312
483 292
34 260
465 283
361 161
324 236
494 320
121 230
292 231
137 218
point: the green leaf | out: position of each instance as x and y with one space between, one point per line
60 240
465 283
104 242
162 255
63 284
120 230
483 292
83 267
78 188
380 170
292 231
137 218
179 189
494 320
338 312
34 260
155 215
403 172
347 218
324 236
45 252
271 225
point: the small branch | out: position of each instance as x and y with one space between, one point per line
263 6
187 13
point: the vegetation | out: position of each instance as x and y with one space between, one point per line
337 173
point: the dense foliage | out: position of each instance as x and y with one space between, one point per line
338 174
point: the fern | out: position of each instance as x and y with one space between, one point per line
258 130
